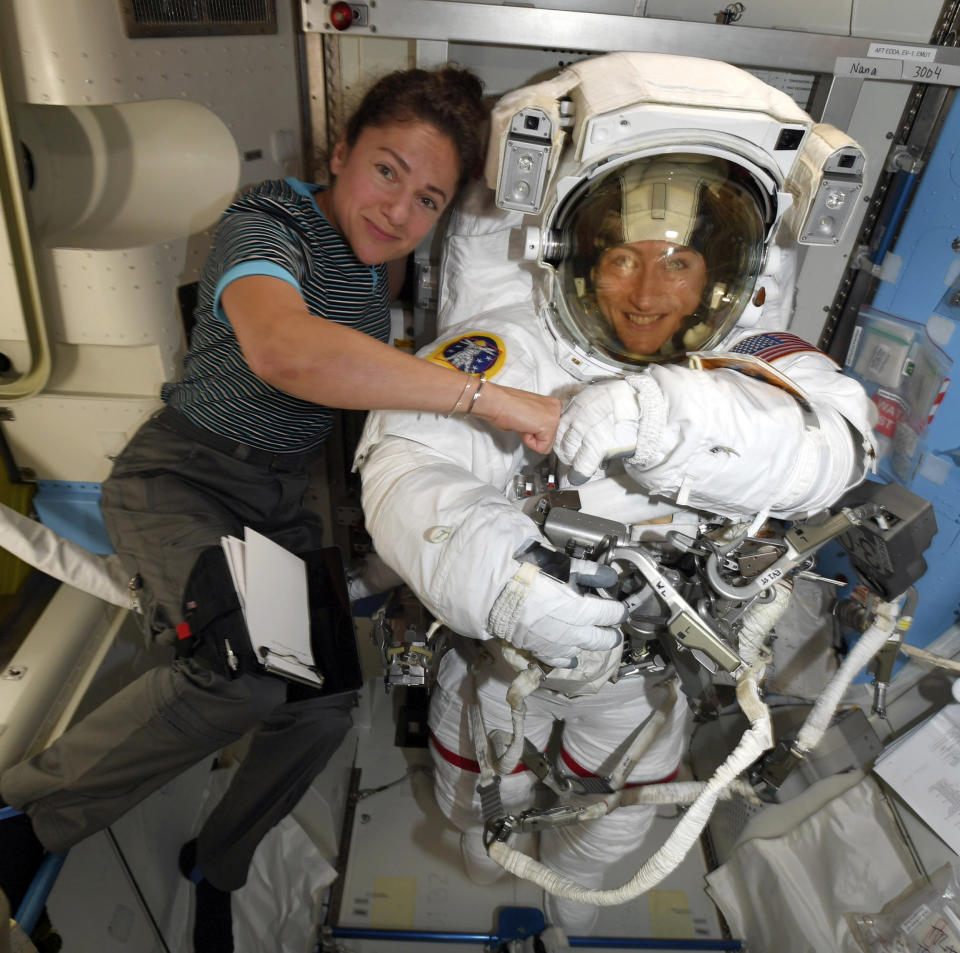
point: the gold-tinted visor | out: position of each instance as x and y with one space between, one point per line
658 257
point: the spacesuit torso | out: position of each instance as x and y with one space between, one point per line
437 492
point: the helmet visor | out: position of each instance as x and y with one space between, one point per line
659 256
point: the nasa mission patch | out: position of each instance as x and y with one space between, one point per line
472 353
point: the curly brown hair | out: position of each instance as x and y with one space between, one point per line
449 98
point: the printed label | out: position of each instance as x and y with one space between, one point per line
897 51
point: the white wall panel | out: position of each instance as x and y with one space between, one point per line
813 16
895 20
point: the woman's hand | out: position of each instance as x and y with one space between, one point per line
533 415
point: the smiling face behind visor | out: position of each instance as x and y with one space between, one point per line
659 257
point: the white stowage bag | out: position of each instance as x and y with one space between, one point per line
276 910
788 889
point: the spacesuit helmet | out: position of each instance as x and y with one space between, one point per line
657 256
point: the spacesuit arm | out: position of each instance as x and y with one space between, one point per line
722 441
472 557
449 534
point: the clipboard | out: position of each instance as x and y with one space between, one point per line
271 584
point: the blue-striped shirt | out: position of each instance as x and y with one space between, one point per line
274 229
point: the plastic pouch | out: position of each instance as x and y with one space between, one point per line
906 376
923 919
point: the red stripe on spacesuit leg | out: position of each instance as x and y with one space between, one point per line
581 772
459 761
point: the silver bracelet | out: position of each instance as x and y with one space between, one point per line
463 394
476 394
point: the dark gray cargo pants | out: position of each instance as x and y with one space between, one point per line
168 498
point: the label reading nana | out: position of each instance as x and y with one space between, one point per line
869 69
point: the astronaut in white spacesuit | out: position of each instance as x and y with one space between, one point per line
656 238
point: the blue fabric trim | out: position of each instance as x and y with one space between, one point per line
306 189
267 268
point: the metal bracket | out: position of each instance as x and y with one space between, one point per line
860 260
902 158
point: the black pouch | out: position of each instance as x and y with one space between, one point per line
214 628
333 638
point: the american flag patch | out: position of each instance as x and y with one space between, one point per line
770 347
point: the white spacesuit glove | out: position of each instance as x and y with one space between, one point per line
552 620
599 424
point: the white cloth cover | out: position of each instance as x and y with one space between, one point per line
277 909
788 890
41 547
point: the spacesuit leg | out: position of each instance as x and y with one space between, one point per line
456 769
597 731
582 852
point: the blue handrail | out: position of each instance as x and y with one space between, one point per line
31 907
903 186
608 942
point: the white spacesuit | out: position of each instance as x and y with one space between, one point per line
661 184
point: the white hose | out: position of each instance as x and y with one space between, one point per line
684 792
867 646
759 620
522 685
39 546
757 739
655 795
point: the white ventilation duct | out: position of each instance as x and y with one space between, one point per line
127 174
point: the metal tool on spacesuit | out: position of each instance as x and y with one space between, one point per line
401 631
687 598
694 591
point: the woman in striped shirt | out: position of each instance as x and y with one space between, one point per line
292 320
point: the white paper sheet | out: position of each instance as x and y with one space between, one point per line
272 585
233 548
923 767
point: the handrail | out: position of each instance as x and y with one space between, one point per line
25 268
